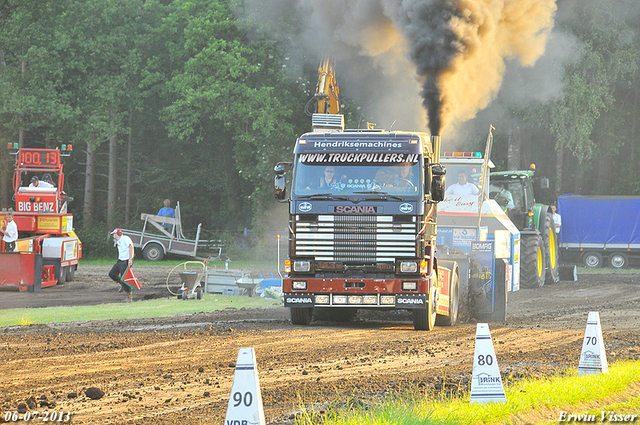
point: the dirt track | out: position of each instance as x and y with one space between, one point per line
179 370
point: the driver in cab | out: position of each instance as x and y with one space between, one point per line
396 179
327 180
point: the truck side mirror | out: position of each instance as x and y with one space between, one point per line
280 183
438 183
280 187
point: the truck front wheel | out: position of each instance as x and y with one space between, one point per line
424 319
153 252
532 267
301 316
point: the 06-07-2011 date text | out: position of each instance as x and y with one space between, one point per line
34 415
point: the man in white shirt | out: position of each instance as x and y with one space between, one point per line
125 259
462 187
35 182
557 219
10 234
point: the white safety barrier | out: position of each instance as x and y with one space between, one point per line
486 383
245 403
593 358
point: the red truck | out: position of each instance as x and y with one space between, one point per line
47 250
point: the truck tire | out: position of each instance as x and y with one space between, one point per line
454 291
618 260
424 319
71 272
301 316
592 259
532 267
550 249
153 252
62 278
500 292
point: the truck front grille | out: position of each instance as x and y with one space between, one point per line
355 238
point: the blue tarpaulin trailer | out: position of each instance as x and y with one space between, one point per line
600 229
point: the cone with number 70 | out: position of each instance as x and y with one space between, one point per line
593 358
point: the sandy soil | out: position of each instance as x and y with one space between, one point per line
179 370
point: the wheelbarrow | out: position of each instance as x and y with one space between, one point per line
191 287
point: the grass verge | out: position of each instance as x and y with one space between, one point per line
528 401
235 265
140 309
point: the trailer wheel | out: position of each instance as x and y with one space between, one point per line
452 318
71 272
592 259
153 252
532 267
199 293
301 316
551 249
618 260
424 319
62 278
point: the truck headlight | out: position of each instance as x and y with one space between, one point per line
322 299
300 285
370 299
408 267
339 299
387 300
301 266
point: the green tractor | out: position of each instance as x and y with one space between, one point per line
539 245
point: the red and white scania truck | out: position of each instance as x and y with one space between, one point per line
363 221
366 239
47 250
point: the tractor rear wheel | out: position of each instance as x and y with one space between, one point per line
551 249
532 265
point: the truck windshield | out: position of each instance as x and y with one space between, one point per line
401 179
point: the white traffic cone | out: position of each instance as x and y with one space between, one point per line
486 383
245 403
593 358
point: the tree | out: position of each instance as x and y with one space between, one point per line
608 59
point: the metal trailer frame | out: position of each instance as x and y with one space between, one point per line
155 246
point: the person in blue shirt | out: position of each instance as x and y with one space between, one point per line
167 211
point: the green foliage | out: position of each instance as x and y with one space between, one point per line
96 242
593 119
211 110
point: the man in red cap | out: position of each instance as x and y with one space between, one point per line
125 259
